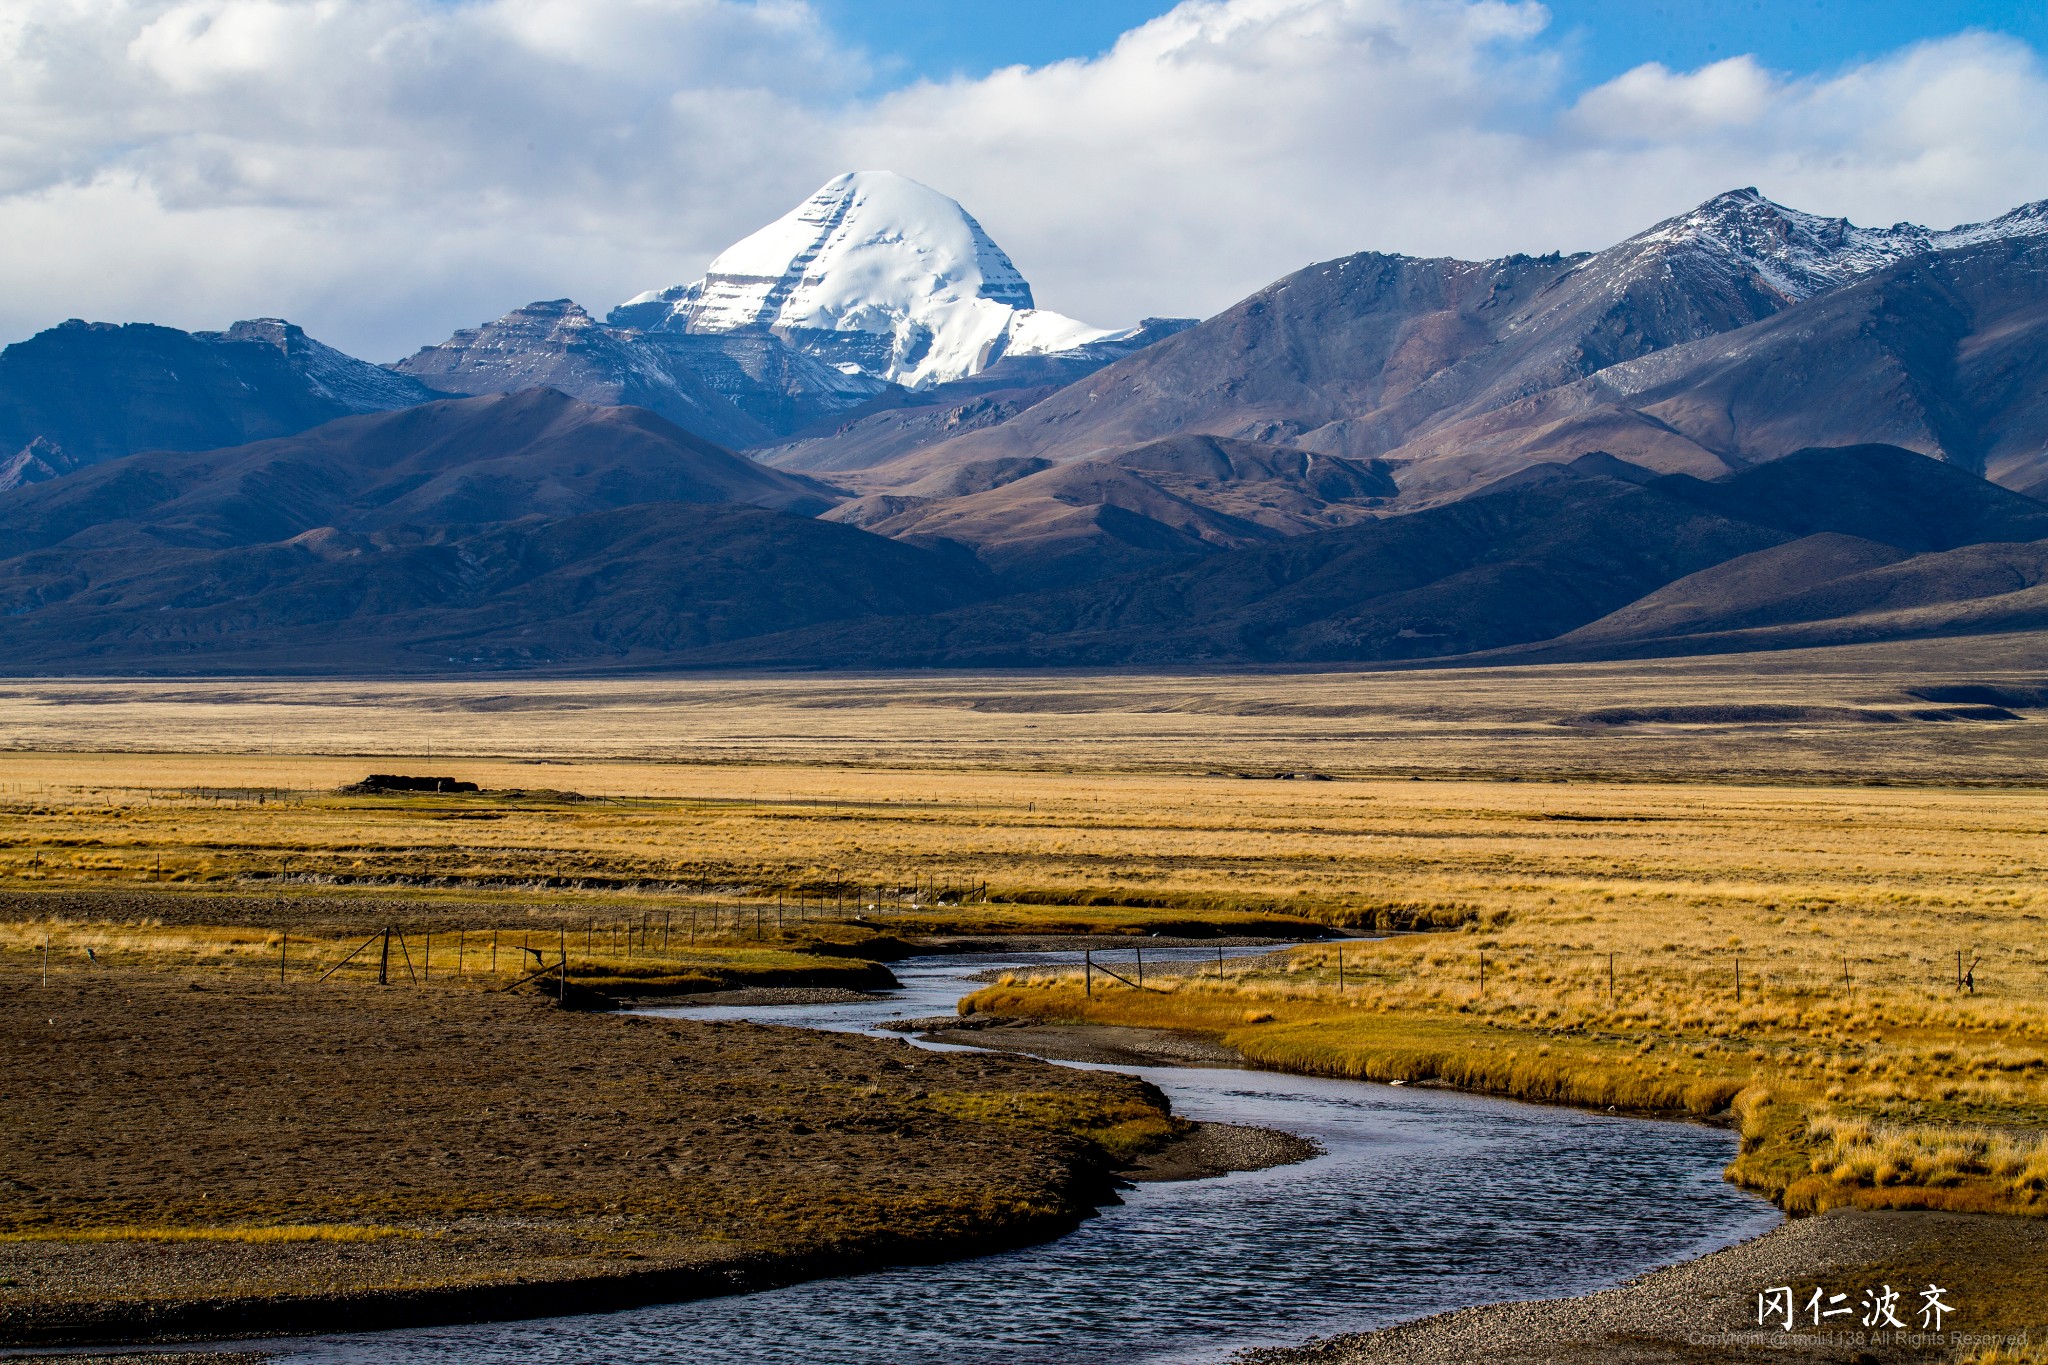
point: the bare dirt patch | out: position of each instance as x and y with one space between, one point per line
503 1157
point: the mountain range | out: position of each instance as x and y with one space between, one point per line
857 441
1731 334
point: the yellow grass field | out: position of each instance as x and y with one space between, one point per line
1877 884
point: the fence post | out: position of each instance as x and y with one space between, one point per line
1738 978
384 961
1087 968
1340 969
1141 968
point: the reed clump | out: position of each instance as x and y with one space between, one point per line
1859 1160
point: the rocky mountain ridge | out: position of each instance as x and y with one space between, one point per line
82 392
1459 372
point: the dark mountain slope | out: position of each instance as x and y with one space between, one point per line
1504 569
86 392
1876 492
223 573
459 461
1173 499
516 530
1827 589
617 587
1516 566
1945 353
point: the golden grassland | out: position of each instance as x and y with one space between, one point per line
1838 714
1861 978
1615 877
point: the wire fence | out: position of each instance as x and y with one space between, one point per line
1985 972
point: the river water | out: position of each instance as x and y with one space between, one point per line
1423 1201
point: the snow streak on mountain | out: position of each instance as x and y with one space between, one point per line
874 273
1800 254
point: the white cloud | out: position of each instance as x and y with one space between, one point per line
1656 104
384 170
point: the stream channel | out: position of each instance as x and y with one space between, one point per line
1424 1200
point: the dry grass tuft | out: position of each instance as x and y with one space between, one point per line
305 1232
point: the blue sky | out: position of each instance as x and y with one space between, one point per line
383 171
940 38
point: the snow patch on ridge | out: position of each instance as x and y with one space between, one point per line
1798 255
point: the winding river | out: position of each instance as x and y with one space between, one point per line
1424 1200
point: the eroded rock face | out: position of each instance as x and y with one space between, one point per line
41 459
738 391
84 392
556 344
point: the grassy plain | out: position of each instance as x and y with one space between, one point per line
1615 842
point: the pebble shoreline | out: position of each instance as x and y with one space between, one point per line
1703 1310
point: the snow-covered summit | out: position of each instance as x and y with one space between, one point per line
874 272
1798 255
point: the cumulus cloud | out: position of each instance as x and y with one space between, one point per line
385 170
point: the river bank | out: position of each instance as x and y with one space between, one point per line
1994 1272
1241 1139
193 1154
1994 1267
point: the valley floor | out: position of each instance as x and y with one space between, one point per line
1800 892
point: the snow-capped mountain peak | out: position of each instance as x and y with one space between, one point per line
873 271
1798 255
